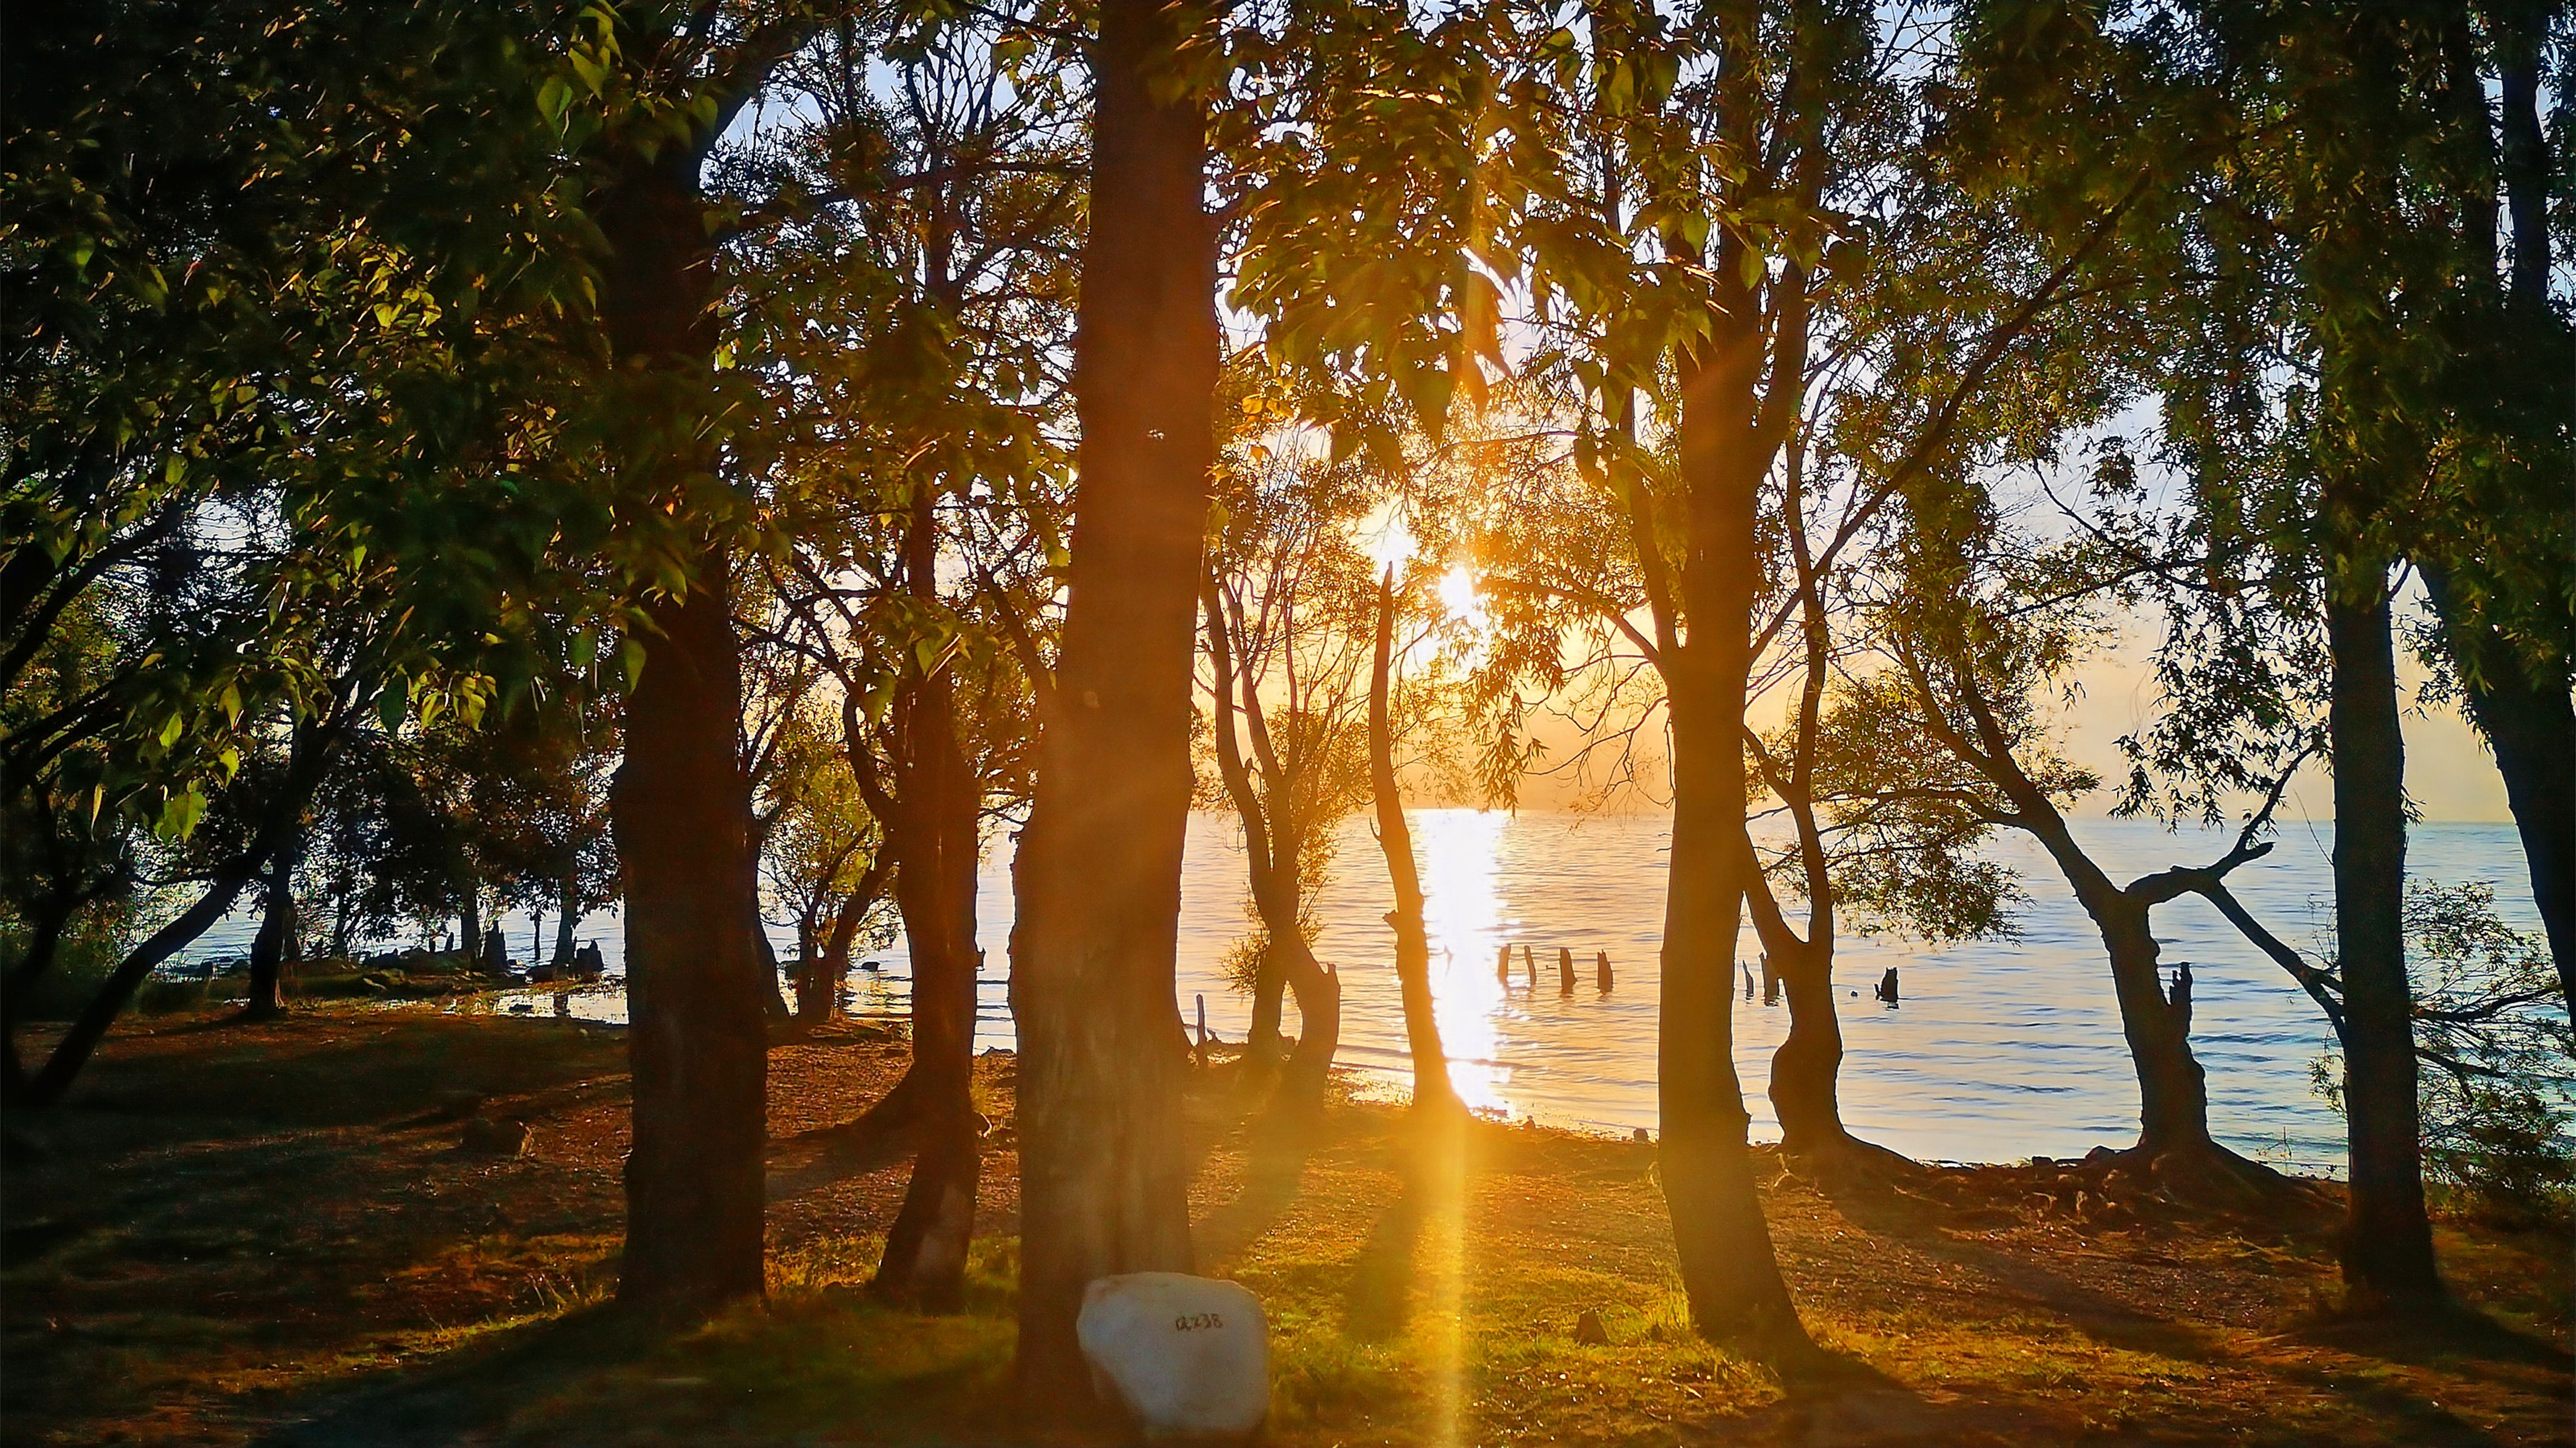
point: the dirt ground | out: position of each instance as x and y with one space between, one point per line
276 1234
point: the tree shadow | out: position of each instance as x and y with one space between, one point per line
469 1393
1378 1305
1276 1149
2434 1340
2445 1341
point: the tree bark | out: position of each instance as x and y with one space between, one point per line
2388 1242
2173 1090
933 824
1729 1270
566 923
279 941
1104 1180
2531 725
697 1044
1432 1088
1806 1069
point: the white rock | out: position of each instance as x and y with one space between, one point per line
1186 1356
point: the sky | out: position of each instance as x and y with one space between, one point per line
2448 770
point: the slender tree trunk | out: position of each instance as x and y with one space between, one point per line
925 1256
697 1045
1728 1267
1729 1270
1104 1181
2531 726
472 943
2388 1242
1432 1088
935 828
278 941
1272 851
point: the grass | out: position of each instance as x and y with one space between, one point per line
270 1233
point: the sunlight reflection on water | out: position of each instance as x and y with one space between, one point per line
2001 1049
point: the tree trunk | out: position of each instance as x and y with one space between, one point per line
1729 1270
1806 1069
1264 1040
1272 852
2531 726
1318 988
925 1255
2173 1091
566 923
2388 1243
935 830
1432 1088
278 942
697 1044
819 988
471 943
1104 1181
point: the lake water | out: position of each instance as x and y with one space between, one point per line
2000 1050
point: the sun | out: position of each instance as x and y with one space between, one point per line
1459 598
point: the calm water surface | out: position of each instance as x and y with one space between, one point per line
2001 1049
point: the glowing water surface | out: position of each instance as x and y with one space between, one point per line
1999 1050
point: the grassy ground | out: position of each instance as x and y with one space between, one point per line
273 1234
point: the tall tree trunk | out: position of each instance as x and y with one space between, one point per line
2531 726
1729 1269
934 826
1104 1181
279 941
2388 1243
773 986
937 833
1272 851
1432 1088
697 1044
471 945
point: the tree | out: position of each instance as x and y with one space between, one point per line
666 82
1098 874
1433 1092
1283 607
258 390
909 321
